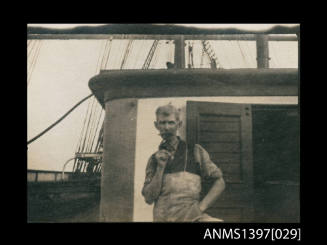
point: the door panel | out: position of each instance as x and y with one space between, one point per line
222 137
217 126
225 131
276 163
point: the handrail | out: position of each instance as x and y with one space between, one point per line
63 170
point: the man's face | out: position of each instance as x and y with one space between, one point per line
167 125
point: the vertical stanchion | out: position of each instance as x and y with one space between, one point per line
179 52
262 51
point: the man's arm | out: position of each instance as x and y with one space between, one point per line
153 182
210 170
215 191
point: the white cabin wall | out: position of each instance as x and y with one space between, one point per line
148 140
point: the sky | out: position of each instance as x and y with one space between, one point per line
62 69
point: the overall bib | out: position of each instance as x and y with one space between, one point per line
180 192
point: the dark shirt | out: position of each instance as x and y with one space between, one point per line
177 164
203 166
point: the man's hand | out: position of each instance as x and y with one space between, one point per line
215 191
162 157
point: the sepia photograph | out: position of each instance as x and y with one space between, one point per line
163 123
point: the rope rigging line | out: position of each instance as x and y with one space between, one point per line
202 57
81 147
87 127
103 56
37 54
86 133
81 164
33 62
95 108
99 57
93 138
226 56
153 63
93 118
59 120
245 50
167 46
135 65
214 62
88 112
107 58
247 53
82 132
246 63
151 52
96 129
120 54
274 53
207 52
93 129
190 55
100 139
171 51
30 57
33 52
128 47
32 45
84 147
252 57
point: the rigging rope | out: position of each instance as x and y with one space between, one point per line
59 120
252 57
99 57
190 55
136 60
274 54
96 129
32 45
107 58
100 139
89 117
87 128
202 56
226 56
78 149
104 54
171 51
33 60
128 47
149 57
155 55
91 127
245 62
211 54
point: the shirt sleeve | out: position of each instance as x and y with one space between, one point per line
150 170
209 170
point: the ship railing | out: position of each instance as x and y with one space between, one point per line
86 158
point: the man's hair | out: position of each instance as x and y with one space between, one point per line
167 110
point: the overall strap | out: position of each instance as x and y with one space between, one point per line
186 154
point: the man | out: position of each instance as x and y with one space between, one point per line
174 173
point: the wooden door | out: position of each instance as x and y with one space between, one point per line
225 131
